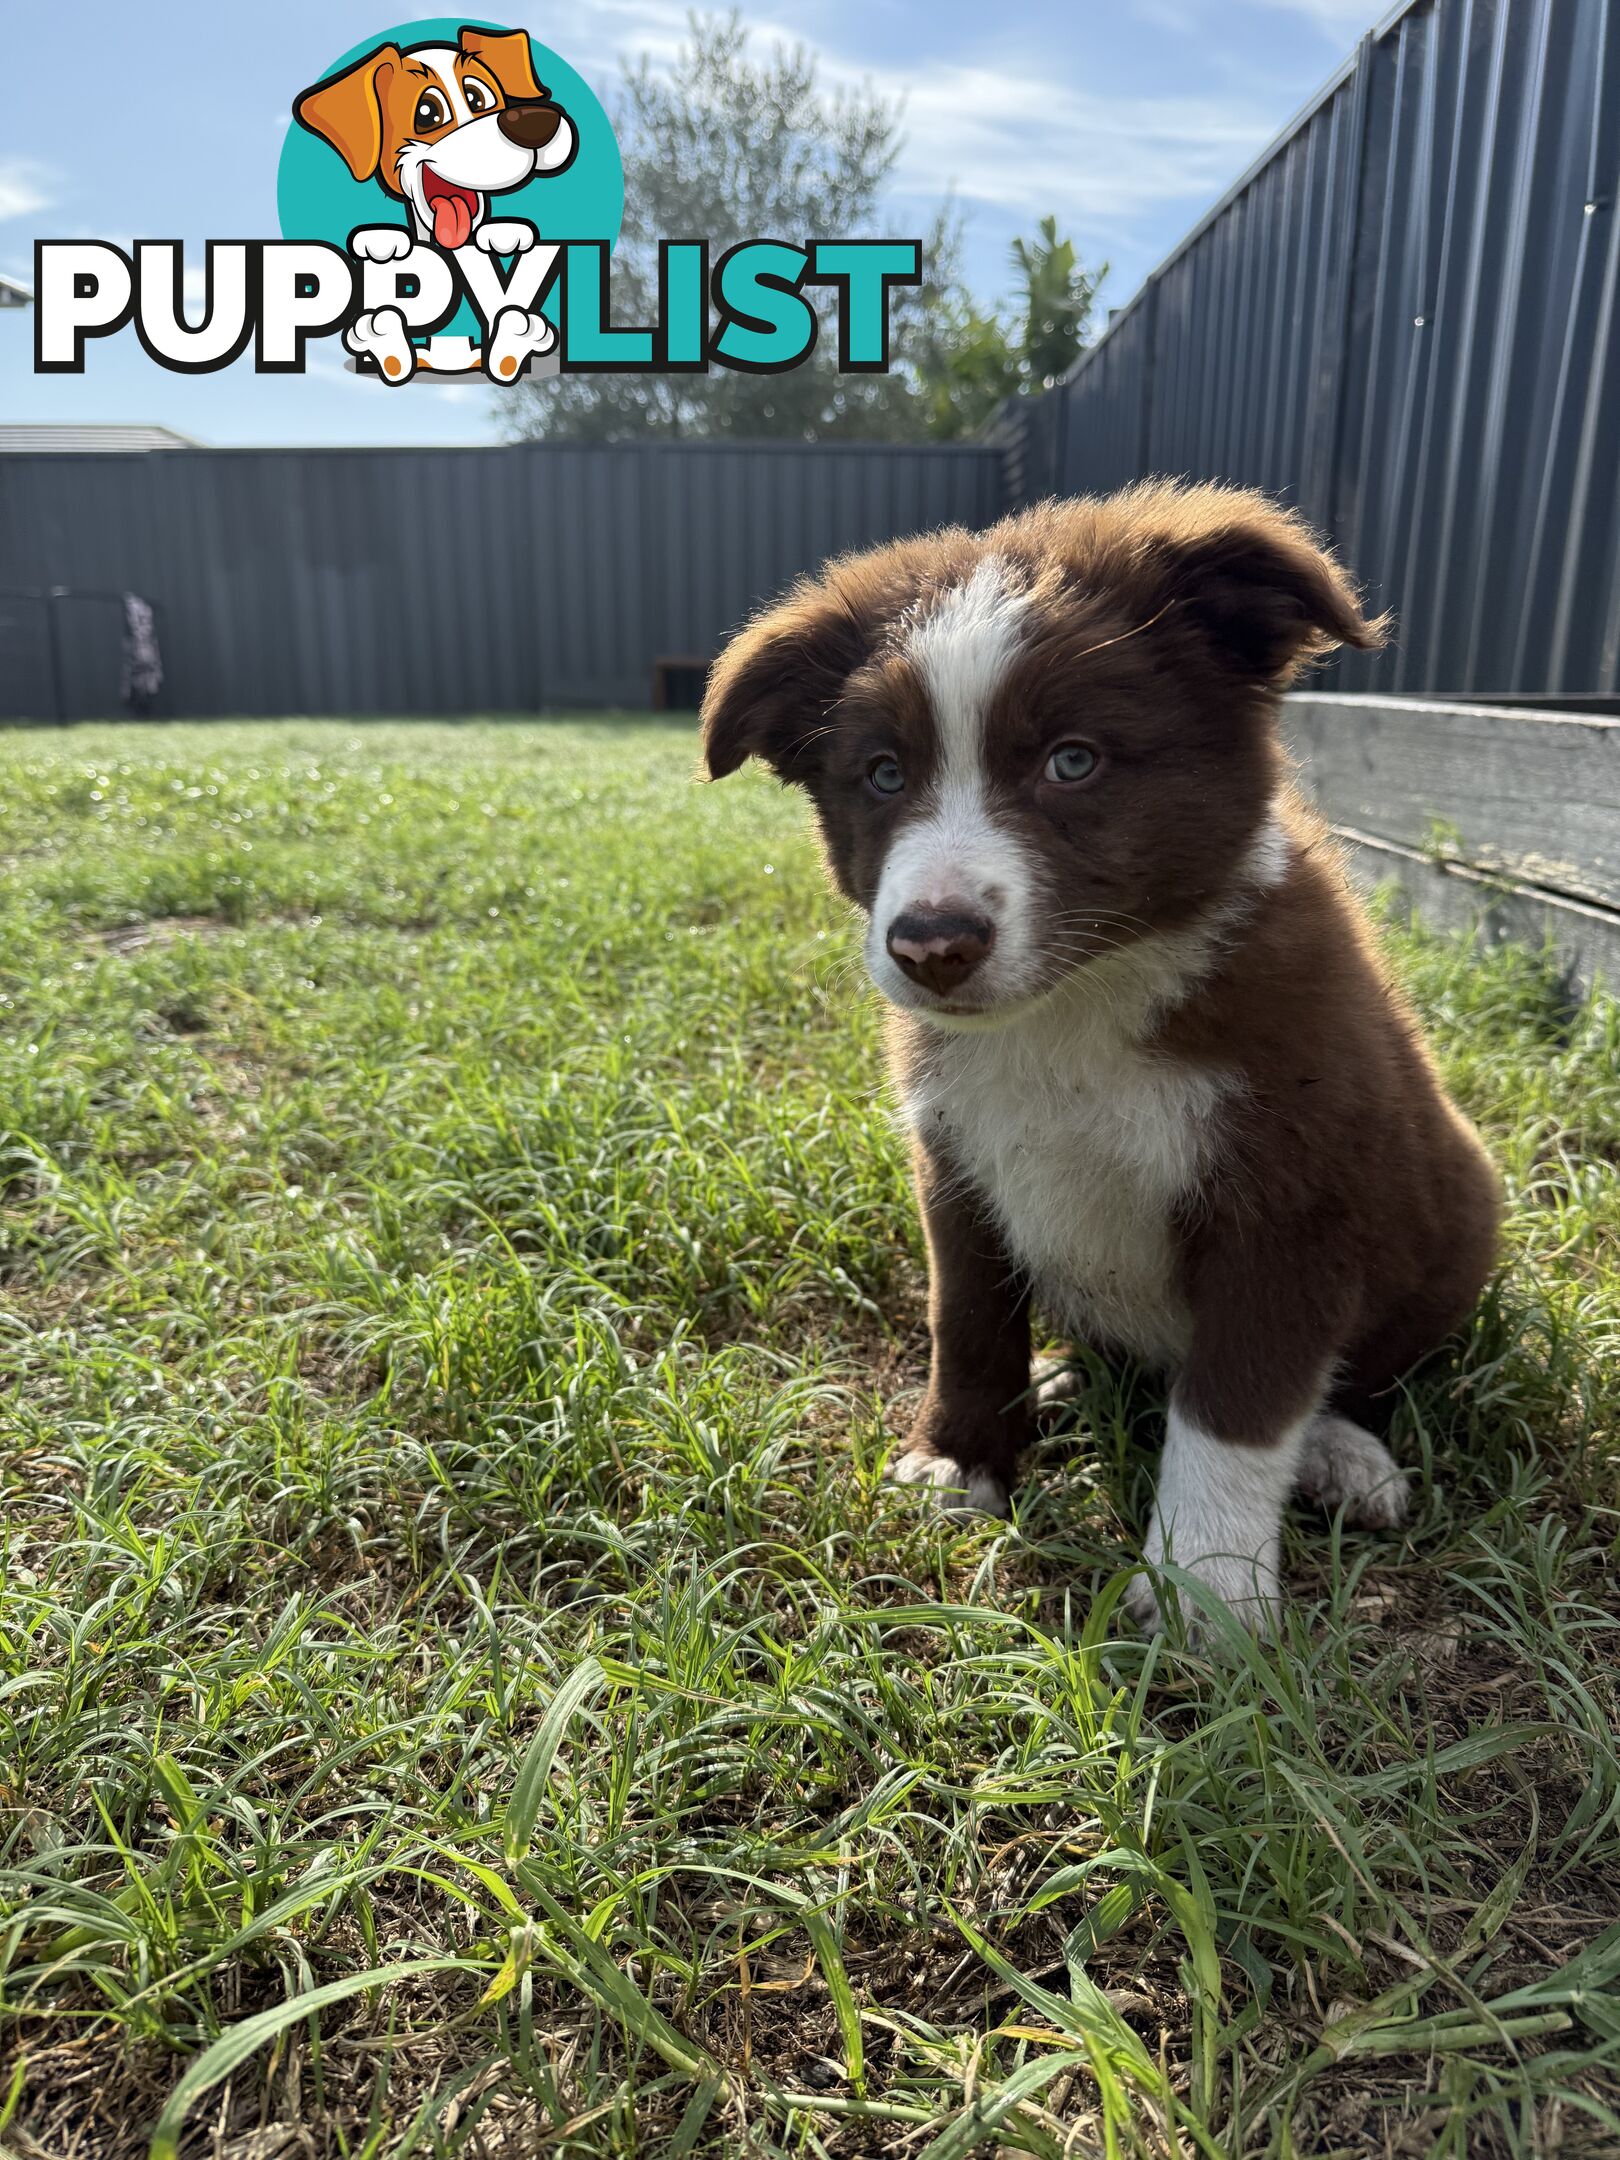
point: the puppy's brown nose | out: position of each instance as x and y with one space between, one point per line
530 124
940 949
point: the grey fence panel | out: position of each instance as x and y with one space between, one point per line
1104 437
1406 319
421 581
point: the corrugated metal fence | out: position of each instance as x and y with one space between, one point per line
1406 319
416 581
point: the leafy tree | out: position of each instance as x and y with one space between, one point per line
973 360
1057 299
738 149
733 149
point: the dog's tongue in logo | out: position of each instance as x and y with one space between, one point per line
442 128
452 209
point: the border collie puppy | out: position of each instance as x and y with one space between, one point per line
1156 1076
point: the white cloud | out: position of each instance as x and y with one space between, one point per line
1013 141
22 188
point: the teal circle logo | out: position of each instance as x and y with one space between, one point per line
416 111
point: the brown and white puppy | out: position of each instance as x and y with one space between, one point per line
1157 1077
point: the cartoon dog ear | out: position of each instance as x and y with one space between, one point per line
1254 577
507 55
770 692
346 110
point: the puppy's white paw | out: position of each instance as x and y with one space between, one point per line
506 236
959 1492
516 338
1219 1519
382 243
1056 1384
384 337
1250 1589
1343 1466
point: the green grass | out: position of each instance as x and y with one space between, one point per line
464 1686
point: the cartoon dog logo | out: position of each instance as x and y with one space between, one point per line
443 128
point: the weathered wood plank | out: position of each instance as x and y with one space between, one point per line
1532 795
1450 896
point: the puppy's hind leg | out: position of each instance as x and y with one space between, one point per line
1341 1465
1055 1382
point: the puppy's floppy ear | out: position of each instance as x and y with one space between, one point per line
346 110
507 55
771 690
1256 579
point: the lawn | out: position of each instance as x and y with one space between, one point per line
464 1684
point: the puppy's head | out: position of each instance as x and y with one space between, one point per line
443 126
1030 747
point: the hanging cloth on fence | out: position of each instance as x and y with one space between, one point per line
143 662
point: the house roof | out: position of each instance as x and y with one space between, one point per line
54 435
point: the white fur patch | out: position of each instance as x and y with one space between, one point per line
958 1491
1219 1516
953 849
1269 854
1082 1141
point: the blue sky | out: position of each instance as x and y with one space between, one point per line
1126 118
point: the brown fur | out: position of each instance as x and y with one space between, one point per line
1349 1215
368 112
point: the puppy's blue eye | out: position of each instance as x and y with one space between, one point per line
885 777
1071 761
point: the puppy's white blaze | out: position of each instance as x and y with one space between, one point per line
954 849
1219 1514
962 648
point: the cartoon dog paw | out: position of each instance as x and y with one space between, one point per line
506 236
382 336
517 338
381 243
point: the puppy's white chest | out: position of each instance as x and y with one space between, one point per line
1082 1148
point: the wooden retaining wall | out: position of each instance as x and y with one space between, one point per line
1499 818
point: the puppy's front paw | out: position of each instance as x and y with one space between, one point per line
1248 1585
959 1492
1343 1466
505 236
383 338
382 243
1249 1589
517 338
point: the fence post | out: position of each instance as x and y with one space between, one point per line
53 648
1335 476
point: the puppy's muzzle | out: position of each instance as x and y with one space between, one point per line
940 950
530 124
